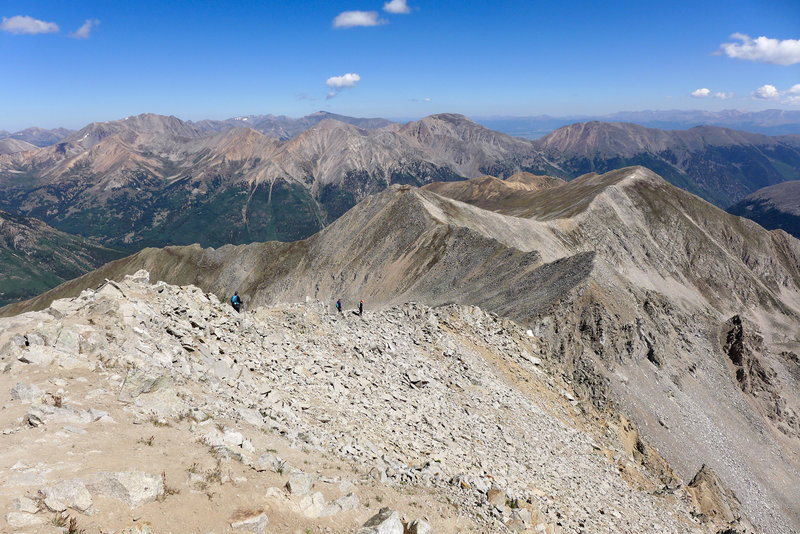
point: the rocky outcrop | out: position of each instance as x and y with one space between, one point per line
717 502
433 412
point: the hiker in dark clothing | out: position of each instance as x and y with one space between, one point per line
361 308
236 302
339 305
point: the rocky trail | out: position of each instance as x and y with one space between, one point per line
141 407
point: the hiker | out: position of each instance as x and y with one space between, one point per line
339 305
236 302
361 308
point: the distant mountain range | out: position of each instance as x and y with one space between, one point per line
155 180
152 180
37 136
769 122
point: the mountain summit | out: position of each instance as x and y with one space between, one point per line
654 300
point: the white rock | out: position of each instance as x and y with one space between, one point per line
23 519
25 392
299 483
135 488
386 521
419 526
69 494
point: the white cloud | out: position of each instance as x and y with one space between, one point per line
770 92
767 92
84 31
705 92
397 7
346 80
337 83
763 49
25 24
427 99
349 19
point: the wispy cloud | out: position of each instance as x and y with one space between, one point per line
84 31
397 7
25 24
705 92
763 49
345 81
350 19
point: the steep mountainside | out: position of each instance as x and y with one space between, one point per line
35 257
153 180
718 164
773 207
654 301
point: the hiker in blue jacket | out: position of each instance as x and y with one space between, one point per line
236 302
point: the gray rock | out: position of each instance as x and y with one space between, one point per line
419 526
135 488
24 504
23 519
387 521
348 502
269 462
155 394
40 414
25 392
67 494
300 483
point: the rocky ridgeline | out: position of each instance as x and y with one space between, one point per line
153 408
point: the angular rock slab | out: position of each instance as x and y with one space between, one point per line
250 521
387 521
135 488
67 494
418 526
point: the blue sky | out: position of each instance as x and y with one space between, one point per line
70 63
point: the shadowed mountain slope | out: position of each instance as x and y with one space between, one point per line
655 301
774 207
718 164
35 257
